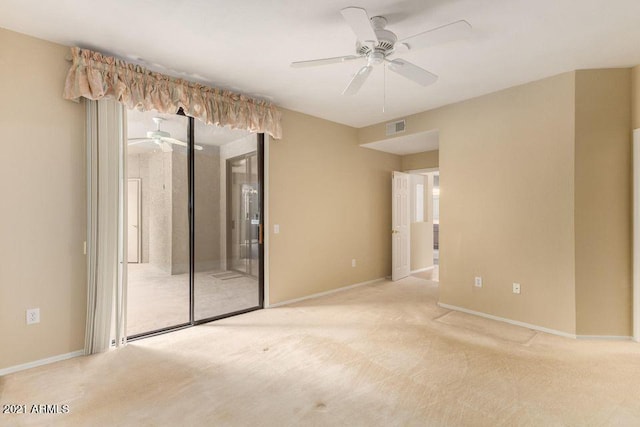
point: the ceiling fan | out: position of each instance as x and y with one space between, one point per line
376 45
160 138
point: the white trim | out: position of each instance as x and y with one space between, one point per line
513 322
636 235
422 171
35 363
605 337
266 225
420 270
332 291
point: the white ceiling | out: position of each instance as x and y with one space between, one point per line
408 144
247 45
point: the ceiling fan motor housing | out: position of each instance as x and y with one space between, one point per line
385 44
157 134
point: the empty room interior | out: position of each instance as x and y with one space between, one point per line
416 212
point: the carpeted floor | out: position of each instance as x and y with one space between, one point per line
156 299
379 355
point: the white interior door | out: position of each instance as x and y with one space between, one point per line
400 233
133 221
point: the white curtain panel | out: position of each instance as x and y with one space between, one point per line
106 251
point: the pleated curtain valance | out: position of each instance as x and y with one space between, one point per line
94 76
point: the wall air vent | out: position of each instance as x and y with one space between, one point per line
396 127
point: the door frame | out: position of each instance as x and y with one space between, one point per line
139 203
636 235
229 200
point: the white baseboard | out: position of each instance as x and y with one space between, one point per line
605 337
420 270
320 294
52 359
503 319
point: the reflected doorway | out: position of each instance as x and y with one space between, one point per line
243 217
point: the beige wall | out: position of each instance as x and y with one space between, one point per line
179 217
536 189
424 160
635 97
164 221
207 214
43 215
332 200
421 245
506 204
603 202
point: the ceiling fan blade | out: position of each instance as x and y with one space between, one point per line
324 61
356 82
178 142
174 141
134 141
412 72
359 22
446 33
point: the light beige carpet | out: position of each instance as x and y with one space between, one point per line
378 355
156 299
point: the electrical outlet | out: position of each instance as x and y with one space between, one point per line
353 262
33 316
516 288
276 228
478 282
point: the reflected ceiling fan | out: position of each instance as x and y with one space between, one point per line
160 138
377 45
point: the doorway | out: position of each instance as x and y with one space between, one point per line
242 214
415 246
182 276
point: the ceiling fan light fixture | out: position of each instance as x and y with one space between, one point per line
375 58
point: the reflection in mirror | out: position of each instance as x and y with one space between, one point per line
158 225
226 222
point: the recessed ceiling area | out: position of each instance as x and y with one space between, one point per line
408 144
248 46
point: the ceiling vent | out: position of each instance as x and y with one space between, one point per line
396 127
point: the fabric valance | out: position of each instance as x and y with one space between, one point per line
94 76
